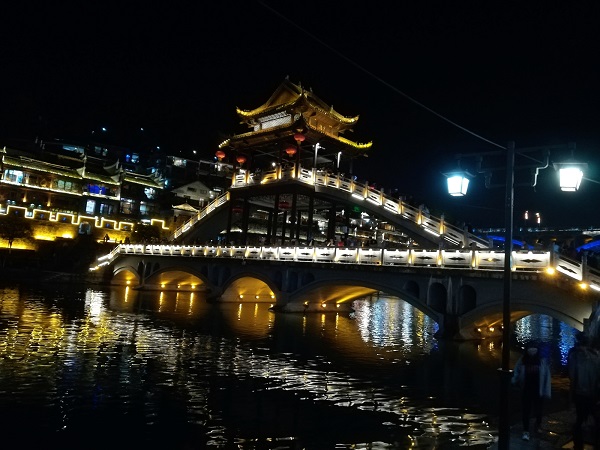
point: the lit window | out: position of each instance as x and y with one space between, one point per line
150 193
14 176
90 206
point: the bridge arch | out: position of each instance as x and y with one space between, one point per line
126 275
249 285
486 321
175 277
343 290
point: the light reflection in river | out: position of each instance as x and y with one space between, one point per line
172 371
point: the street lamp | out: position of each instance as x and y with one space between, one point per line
570 175
457 186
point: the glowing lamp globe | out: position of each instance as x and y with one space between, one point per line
570 175
458 185
299 137
570 178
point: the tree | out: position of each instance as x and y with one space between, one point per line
14 227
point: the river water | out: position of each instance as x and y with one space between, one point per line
109 368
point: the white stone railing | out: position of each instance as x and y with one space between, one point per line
211 207
360 192
470 259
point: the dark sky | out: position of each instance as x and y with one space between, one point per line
428 79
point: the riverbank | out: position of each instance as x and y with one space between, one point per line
555 433
64 261
557 423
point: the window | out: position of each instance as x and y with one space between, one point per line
147 209
179 162
97 189
106 209
64 185
73 148
150 193
127 206
14 176
90 206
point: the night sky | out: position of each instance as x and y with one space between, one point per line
428 79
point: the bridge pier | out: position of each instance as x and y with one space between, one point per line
449 327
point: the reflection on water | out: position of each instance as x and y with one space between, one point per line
88 368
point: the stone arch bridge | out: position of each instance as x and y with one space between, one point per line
464 297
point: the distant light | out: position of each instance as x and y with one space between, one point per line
103 129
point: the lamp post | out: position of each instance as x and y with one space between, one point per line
505 372
458 183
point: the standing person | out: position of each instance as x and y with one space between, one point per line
584 374
532 375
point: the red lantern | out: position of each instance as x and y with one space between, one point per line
299 137
284 205
241 159
220 154
237 209
291 151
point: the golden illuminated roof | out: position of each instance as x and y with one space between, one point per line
33 164
80 173
290 110
106 179
290 96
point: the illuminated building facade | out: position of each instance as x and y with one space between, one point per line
70 185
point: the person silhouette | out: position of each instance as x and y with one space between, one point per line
532 375
584 375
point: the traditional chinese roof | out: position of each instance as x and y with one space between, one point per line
146 180
40 166
185 207
292 96
292 109
195 190
81 169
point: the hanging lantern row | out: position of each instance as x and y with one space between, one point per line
220 154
